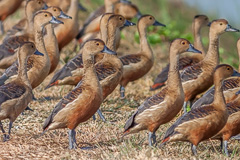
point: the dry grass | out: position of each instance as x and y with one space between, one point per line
25 142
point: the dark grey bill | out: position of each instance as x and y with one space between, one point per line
63 15
231 29
80 6
56 21
209 24
156 23
125 1
38 53
128 23
45 6
192 49
238 92
108 51
235 73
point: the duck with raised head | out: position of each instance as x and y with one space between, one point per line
16 95
137 65
232 127
202 123
64 4
230 86
199 77
198 23
84 100
165 105
36 75
72 72
8 7
92 23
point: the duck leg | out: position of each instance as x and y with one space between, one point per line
3 131
224 147
122 92
100 115
151 138
7 137
1 28
27 109
194 149
185 107
237 137
72 139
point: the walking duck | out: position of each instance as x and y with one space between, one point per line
165 105
8 7
36 75
199 77
83 101
230 87
202 123
137 65
199 22
232 127
16 95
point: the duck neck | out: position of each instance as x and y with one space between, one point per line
238 50
38 36
212 56
103 31
73 10
111 36
218 94
174 80
108 6
22 70
197 38
145 47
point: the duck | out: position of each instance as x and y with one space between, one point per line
199 77
232 127
72 72
64 4
137 65
25 26
8 7
230 86
17 94
36 76
202 123
198 23
92 23
83 101
66 33
165 105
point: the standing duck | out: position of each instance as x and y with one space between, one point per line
202 123
16 95
83 101
164 106
199 21
137 65
36 75
230 87
199 77
8 7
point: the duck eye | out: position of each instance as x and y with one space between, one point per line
120 18
45 15
150 18
54 10
228 68
97 44
206 19
220 23
183 43
39 2
32 46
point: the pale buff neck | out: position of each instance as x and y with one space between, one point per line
111 36
103 27
38 37
108 6
144 45
73 10
29 13
22 69
212 56
238 50
197 38
174 81
218 94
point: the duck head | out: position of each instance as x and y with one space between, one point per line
220 26
201 20
57 12
148 20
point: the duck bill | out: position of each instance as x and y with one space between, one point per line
138 15
80 6
128 23
54 20
235 73
108 51
45 6
64 16
238 92
209 24
192 49
231 29
125 1
38 53
156 23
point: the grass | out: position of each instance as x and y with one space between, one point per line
25 142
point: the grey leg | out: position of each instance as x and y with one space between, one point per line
94 117
194 149
1 28
101 115
72 139
185 107
225 148
7 137
151 138
122 92
3 131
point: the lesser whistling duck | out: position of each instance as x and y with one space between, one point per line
202 123
198 23
50 39
63 4
16 94
92 23
72 72
137 65
199 77
8 7
232 127
26 25
83 101
230 87
36 75
164 106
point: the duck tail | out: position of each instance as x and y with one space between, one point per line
156 86
164 142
